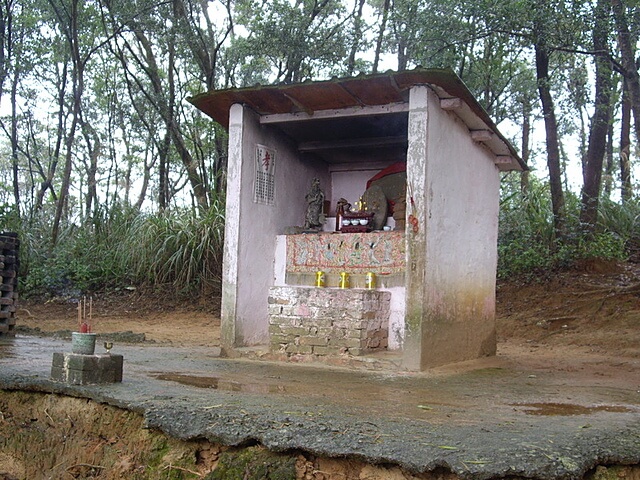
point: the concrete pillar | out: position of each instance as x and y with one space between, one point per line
230 282
452 252
416 240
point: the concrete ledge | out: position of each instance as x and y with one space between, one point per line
474 422
76 369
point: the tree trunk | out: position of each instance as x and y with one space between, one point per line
92 139
69 23
627 52
599 120
402 52
54 156
14 139
221 145
165 106
66 178
609 164
6 40
145 182
383 27
163 169
357 36
204 45
626 188
191 166
551 131
526 133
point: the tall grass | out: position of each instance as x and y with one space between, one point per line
526 242
177 248
121 247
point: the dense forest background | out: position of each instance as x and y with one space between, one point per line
113 180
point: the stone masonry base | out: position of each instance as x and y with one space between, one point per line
77 369
327 321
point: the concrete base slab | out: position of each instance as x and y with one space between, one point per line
77 369
527 413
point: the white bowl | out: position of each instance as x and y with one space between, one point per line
364 221
355 221
386 228
346 222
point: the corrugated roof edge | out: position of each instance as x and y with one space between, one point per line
272 99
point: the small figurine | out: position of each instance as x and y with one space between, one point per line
315 202
342 207
361 205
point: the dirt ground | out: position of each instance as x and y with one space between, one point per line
585 321
161 317
592 309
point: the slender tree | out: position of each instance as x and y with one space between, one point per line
600 119
542 53
629 67
383 15
626 188
67 15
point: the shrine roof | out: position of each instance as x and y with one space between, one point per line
376 90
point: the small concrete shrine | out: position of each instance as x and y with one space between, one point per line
405 168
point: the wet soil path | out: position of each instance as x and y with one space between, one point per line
515 414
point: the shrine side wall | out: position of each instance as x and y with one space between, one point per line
251 228
458 226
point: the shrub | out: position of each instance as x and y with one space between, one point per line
526 243
123 247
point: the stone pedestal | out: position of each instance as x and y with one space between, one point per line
77 369
328 321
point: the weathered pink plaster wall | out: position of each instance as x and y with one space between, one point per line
452 257
251 229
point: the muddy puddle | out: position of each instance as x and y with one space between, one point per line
567 409
217 383
318 387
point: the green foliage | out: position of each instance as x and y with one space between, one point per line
124 247
9 218
79 262
527 246
254 463
176 247
623 220
297 41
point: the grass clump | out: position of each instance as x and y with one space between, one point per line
254 463
121 247
528 248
